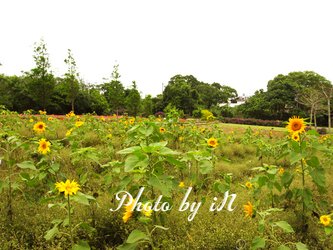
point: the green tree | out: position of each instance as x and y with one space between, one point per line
41 81
147 105
114 92
71 81
181 92
256 106
133 100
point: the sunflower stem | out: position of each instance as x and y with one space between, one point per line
303 185
69 221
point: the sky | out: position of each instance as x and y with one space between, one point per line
239 43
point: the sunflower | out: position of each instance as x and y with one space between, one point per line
281 171
162 130
248 185
181 184
248 210
212 142
39 127
131 121
128 211
41 112
295 136
70 114
69 132
325 220
296 124
78 124
50 118
44 146
68 187
146 210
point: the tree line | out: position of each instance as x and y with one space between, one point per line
40 89
306 94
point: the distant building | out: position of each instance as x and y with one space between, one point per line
233 102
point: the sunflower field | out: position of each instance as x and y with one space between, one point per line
108 182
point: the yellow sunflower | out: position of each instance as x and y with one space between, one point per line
281 171
68 187
39 127
131 121
181 184
248 185
248 210
70 114
79 124
146 211
128 211
44 146
162 130
295 136
69 132
325 220
212 142
296 124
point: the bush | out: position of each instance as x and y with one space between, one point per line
252 121
207 115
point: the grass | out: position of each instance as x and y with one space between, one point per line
237 154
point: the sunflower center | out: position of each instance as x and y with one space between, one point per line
40 126
296 126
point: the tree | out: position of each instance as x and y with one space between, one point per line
327 90
181 93
133 100
41 81
114 92
71 81
311 98
147 105
256 106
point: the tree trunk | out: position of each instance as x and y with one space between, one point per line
311 114
329 114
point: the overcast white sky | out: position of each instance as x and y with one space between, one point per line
239 43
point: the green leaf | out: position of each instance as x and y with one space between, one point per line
81 245
258 242
286 179
318 177
82 198
285 226
283 247
127 246
136 236
262 181
51 233
136 161
164 186
313 162
301 246
205 166
27 165
166 151
328 230
158 144
272 171
129 150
